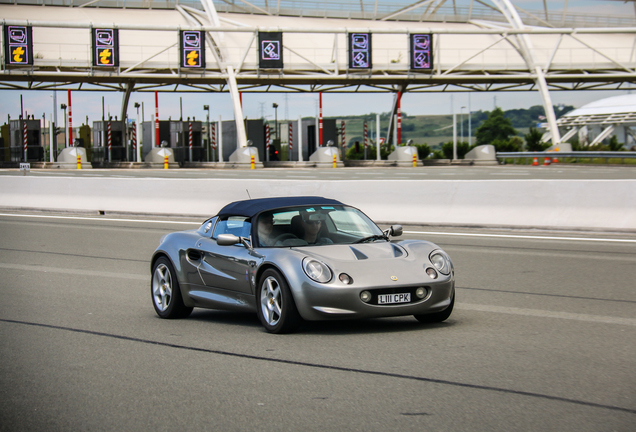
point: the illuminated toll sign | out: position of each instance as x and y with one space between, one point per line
105 47
270 50
421 51
18 45
192 49
360 51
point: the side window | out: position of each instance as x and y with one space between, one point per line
206 228
240 226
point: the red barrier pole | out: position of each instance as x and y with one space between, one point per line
399 119
157 142
70 121
320 120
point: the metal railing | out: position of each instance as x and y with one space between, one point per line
502 156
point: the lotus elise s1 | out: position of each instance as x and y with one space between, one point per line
291 259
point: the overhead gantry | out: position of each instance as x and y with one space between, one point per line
499 54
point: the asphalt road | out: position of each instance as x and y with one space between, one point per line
498 172
543 338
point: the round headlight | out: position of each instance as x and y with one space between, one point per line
441 262
420 292
316 270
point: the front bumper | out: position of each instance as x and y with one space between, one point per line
330 301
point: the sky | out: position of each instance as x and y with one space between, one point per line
291 106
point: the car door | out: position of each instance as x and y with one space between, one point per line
227 267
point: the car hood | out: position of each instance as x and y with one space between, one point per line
355 252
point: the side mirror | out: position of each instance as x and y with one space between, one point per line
227 240
395 230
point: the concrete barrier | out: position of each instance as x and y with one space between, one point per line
589 204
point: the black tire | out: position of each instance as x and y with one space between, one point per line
437 316
165 292
275 305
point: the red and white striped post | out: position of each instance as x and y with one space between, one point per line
134 140
267 143
291 139
213 139
25 140
110 141
190 139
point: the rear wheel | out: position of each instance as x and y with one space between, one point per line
276 309
437 316
165 291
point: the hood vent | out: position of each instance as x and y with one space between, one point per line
359 255
397 251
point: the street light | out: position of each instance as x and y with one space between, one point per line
207 127
137 135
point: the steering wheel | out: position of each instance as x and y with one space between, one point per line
284 236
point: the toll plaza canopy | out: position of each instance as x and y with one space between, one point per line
346 46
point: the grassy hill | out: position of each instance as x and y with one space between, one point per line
435 130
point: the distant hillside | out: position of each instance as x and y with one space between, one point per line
437 129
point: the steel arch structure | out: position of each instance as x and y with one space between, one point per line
502 53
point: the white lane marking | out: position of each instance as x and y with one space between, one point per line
102 219
44 269
406 232
514 236
547 314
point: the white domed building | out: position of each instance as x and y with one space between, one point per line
599 120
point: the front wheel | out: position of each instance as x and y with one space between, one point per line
276 309
437 316
165 291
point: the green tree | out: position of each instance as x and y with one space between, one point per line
496 127
423 150
462 149
533 140
614 145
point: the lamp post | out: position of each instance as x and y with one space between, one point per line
63 106
137 135
207 128
275 106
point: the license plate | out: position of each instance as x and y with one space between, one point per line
394 298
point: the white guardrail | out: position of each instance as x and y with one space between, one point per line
573 154
562 204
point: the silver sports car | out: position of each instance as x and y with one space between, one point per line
291 259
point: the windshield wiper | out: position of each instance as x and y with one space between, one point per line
371 238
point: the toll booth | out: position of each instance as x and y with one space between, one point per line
180 141
149 134
84 139
310 135
117 141
255 131
35 151
4 143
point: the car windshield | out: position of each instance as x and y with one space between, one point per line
315 226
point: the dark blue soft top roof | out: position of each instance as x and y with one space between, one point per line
252 207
